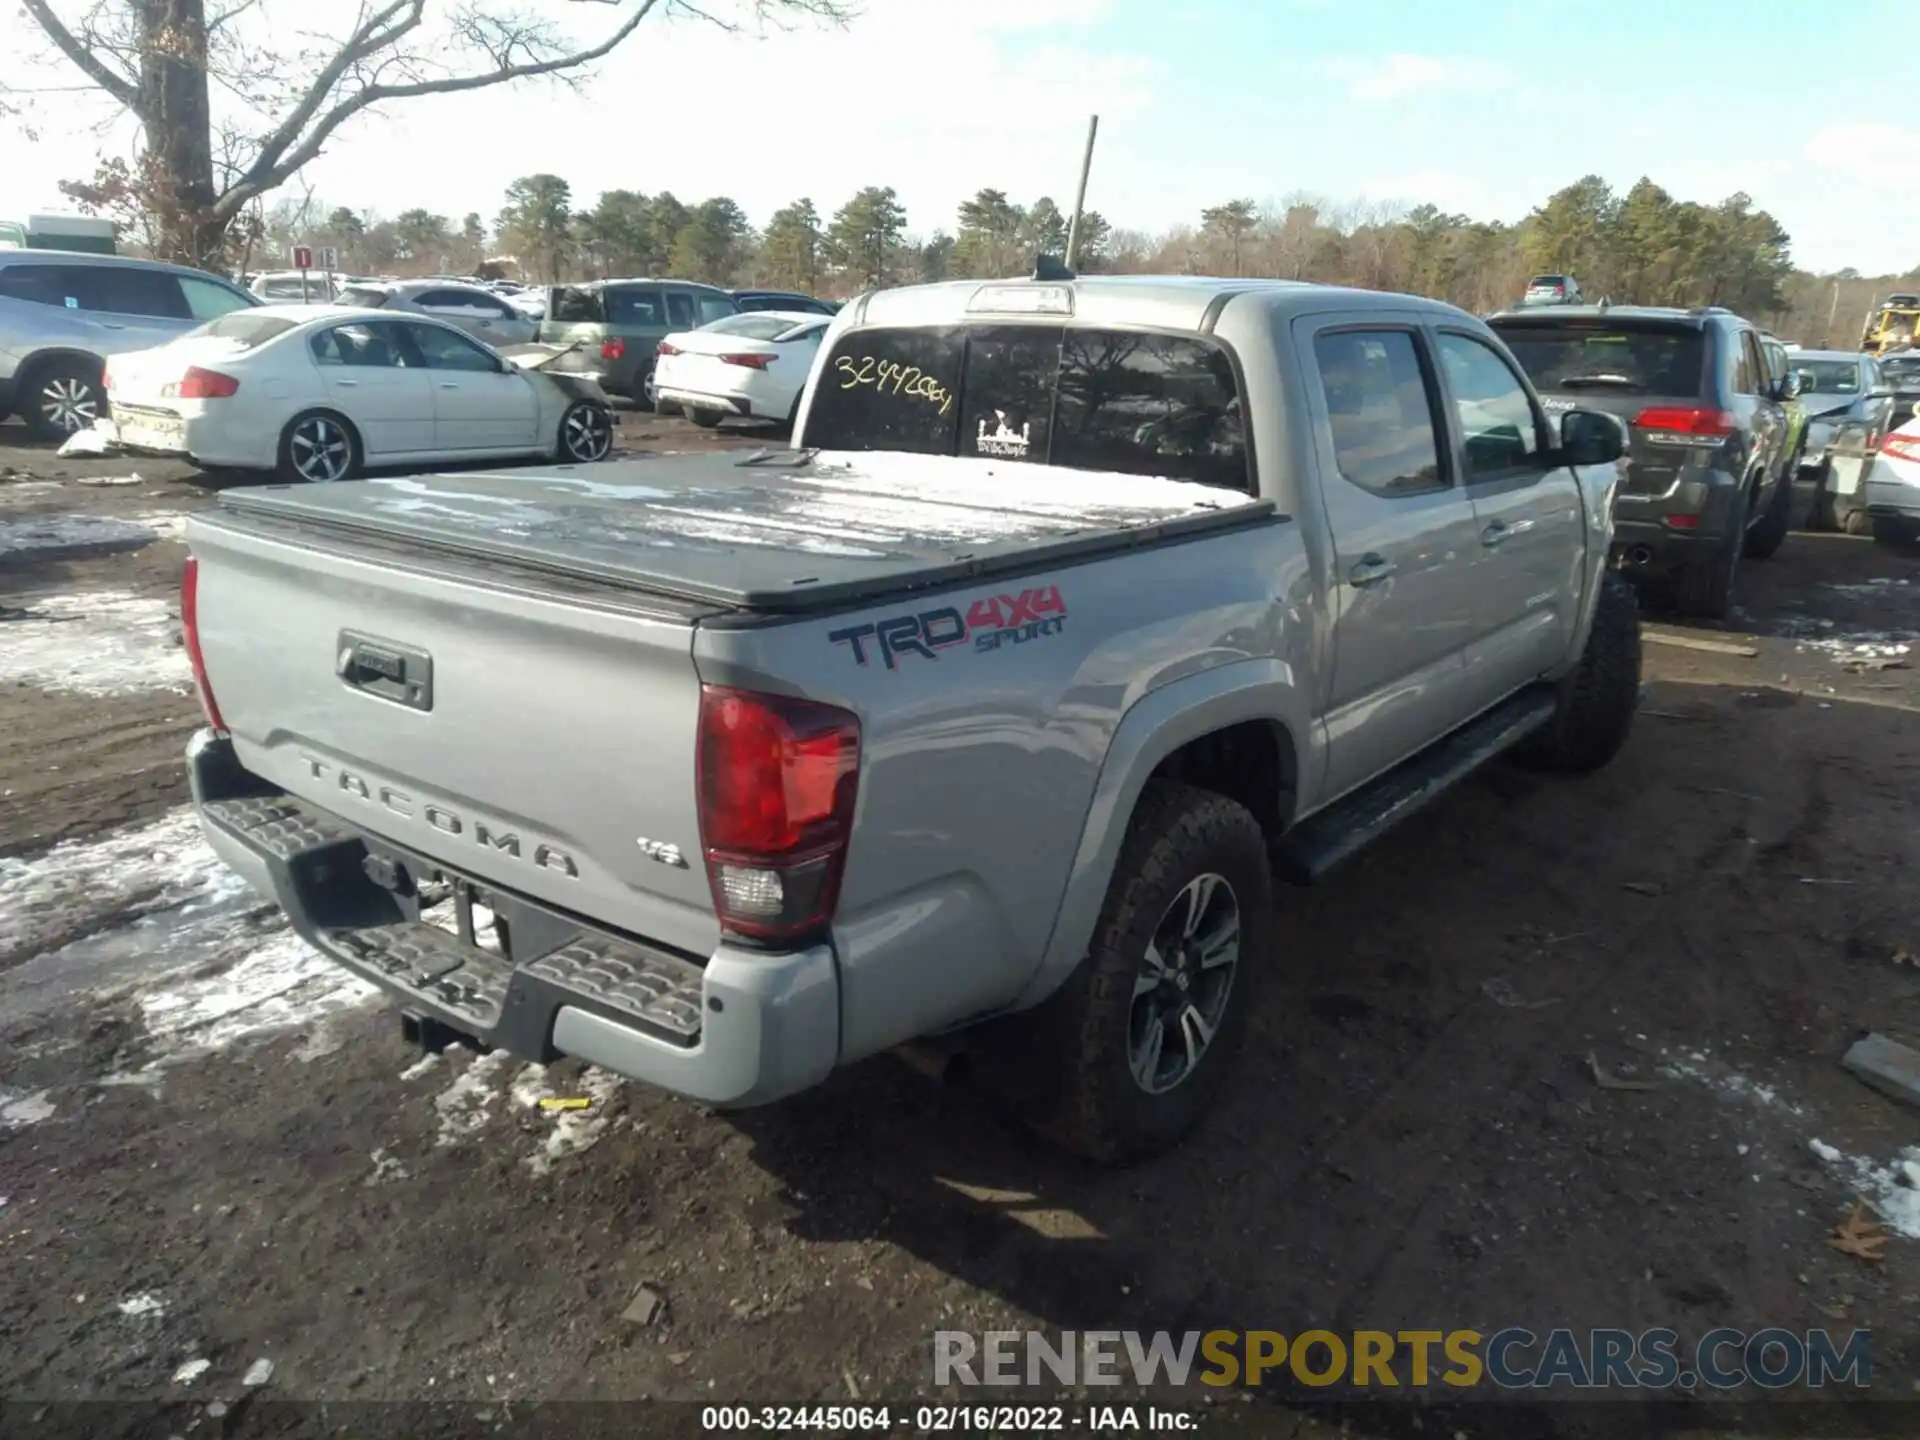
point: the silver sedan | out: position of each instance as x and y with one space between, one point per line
480 313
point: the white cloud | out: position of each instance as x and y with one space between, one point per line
1394 77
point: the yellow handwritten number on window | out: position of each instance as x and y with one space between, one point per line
888 377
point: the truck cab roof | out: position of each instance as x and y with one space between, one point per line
1172 302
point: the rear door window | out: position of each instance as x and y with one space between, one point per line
575 305
713 307
1379 411
680 310
635 308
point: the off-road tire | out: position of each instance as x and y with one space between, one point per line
1765 538
1705 588
1902 536
1599 696
1093 1106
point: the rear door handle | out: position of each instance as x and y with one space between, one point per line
346 384
1499 532
1370 570
449 384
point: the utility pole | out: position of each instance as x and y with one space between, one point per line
1832 311
1080 198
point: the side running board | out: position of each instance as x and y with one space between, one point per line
1315 846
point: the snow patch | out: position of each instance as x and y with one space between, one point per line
71 532
100 642
574 1131
153 910
1875 589
284 985
463 1105
167 524
386 1169
1730 1084
19 1110
1889 1190
191 1371
143 1304
133 479
425 1063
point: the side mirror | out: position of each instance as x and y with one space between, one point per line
1880 395
1589 437
1787 388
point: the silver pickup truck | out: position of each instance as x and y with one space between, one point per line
1082 610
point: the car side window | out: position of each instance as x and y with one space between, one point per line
208 301
126 290
635 308
40 284
444 349
680 309
712 307
1380 411
360 346
1745 381
1499 429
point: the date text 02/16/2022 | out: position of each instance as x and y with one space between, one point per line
989 622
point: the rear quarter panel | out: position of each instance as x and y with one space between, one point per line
980 763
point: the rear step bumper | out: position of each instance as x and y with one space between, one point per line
743 1029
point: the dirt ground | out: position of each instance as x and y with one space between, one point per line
211 1149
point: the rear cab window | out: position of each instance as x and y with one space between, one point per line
577 305
1624 357
1130 402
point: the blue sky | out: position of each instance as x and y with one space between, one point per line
1482 108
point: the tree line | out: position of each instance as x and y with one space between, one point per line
1641 247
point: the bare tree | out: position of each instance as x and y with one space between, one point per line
161 60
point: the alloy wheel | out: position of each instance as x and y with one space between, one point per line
1181 992
587 433
322 451
69 402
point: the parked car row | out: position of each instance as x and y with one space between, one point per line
394 360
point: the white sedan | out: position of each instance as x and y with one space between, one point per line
753 365
321 393
1892 490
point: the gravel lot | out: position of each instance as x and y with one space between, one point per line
214 1148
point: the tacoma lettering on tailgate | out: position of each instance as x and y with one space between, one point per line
989 623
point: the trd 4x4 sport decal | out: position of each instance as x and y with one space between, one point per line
988 623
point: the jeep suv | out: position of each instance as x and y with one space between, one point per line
619 324
1706 477
64 315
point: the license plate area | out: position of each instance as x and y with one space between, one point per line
464 910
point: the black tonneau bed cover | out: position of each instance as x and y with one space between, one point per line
773 531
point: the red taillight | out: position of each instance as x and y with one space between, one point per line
198 384
106 381
1683 522
777 778
1901 447
613 349
665 349
190 626
1684 425
752 362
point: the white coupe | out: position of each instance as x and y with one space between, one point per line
319 393
753 365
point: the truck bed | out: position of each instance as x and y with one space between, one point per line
783 532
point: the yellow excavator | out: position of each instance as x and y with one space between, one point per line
1893 324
